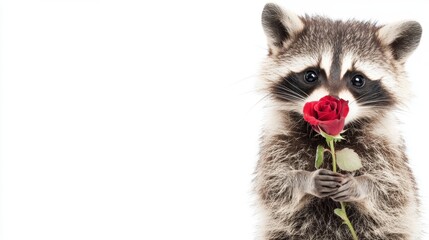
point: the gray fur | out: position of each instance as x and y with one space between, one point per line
296 199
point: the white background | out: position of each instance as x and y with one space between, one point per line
128 119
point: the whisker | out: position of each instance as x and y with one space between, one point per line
293 85
288 90
260 100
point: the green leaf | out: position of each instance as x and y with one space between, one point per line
330 137
340 213
319 156
325 135
348 160
338 138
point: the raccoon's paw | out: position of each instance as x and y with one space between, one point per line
324 183
351 190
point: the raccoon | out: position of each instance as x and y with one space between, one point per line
362 62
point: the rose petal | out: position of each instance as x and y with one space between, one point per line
310 114
327 116
345 108
332 127
326 108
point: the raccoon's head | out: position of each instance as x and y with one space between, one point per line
310 57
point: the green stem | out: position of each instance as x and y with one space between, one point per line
343 205
348 223
334 160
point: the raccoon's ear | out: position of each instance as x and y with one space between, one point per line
279 26
403 38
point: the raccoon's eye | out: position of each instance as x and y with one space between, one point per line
311 76
358 81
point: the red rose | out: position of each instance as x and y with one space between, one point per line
327 114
